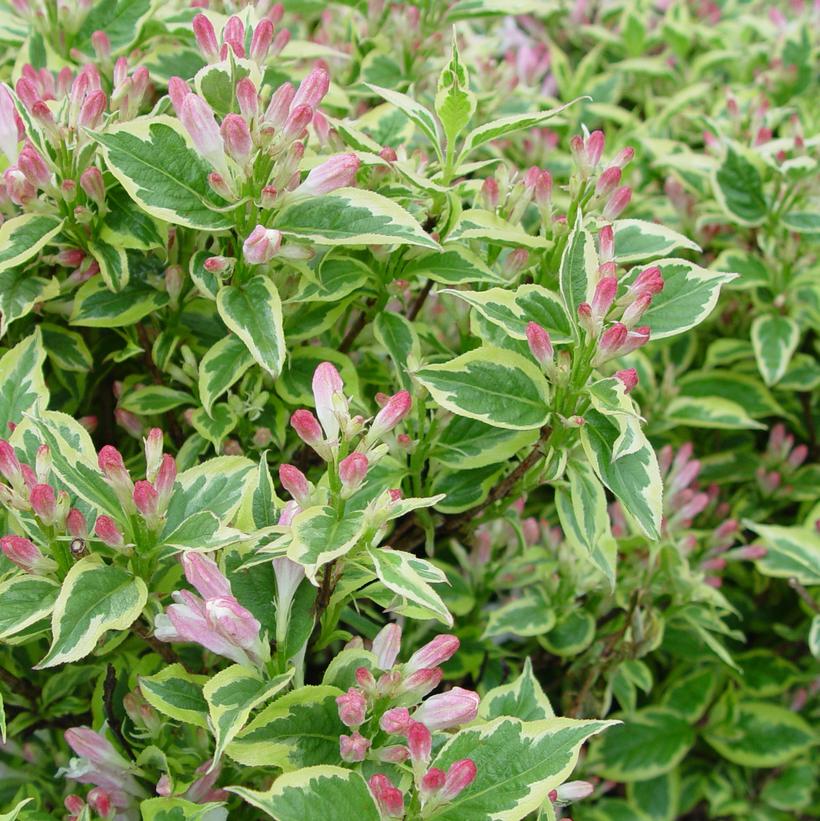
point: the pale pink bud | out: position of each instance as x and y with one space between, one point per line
353 748
516 261
635 310
288 512
365 679
9 463
145 498
108 532
635 339
96 748
44 502
233 35
92 109
20 191
540 343
798 456
456 706
278 108
395 721
386 645
624 157
594 148
33 166
751 552
9 132
75 524
237 138
153 452
394 754
606 244
261 245
219 265
178 90
307 427
629 377
352 708
261 40
327 388
25 554
612 339
715 563
313 88
604 296
489 193
91 181
299 118
198 119
394 410
608 181
419 742
267 197
617 202
295 482
206 38
27 92
281 39
233 621
99 801
352 471
205 576
247 98
441 649
164 481
421 682
460 774
102 49
337 172
574 791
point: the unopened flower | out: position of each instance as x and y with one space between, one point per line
617 202
389 798
262 245
395 721
313 88
353 748
236 137
44 503
337 172
395 409
450 709
198 119
608 181
460 774
206 38
233 37
26 555
352 471
261 40
295 482
352 708
419 742
441 649
540 343
204 574
629 377
386 645
329 397
108 532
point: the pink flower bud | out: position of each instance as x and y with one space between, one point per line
26 555
74 804
394 754
365 679
386 645
337 172
421 682
715 563
353 748
352 471
247 98
178 90
75 524
91 181
95 748
164 481
606 244
33 166
307 427
129 422
798 456
236 138
206 38
9 131
295 482
205 576
516 261
456 706
489 193
608 181
594 148
233 621
44 502
394 410
624 157
299 118
281 39
419 742
27 92
540 343
395 721
352 708
153 444
574 791
634 311
542 194
219 265
233 35
145 499
99 801
432 782
603 297
629 377
102 49
460 774
92 109
327 392
261 40
9 463
262 245
108 532
612 339
20 191
288 512
617 202
635 339
649 281
198 119
441 649
313 88
751 552
276 114
389 798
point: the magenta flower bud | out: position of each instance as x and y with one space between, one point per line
394 410
205 576
337 172
233 621
608 181
145 499
395 721
91 181
75 524
624 157
649 281
353 748
33 166
206 38
751 552
489 193
352 708
328 394
540 344
612 339
594 148
108 533
603 297
262 245
313 88
100 801
26 555
715 563
636 309
92 109
432 782
299 118
798 456
295 482
247 98
307 427
394 754
419 742
456 706
418 684
9 463
102 49
389 798
352 471
606 244
198 119
441 649
261 40
44 502
20 191
233 35
617 202
276 114
386 645
219 265
237 138
164 481
74 804
635 339
629 377
27 92
365 679
178 90
460 774
281 39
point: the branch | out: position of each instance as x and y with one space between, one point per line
163 650
357 327
804 594
418 304
109 686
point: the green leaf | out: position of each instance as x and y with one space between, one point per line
466 443
113 262
492 385
410 578
67 349
689 294
579 268
792 552
23 236
319 537
21 375
399 338
121 20
128 226
802 222
222 366
522 698
691 694
518 764
295 385
327 793
216 425
634 478
527 615
253 311
231 695
650 742
739 189
791 789
488 227
455 103
154 399
742 389
350 216
176 693
20 291
96 306
453 265
414 111
26 600
95 597
155 162
637 240
15 811
179 809
658 798
710 412
774 339
460 490
761 735
572 634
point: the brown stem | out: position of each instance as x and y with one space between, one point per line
19 686
419 301
109 686
173 426
805 595
356 328
163 650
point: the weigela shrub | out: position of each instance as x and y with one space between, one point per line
397 397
